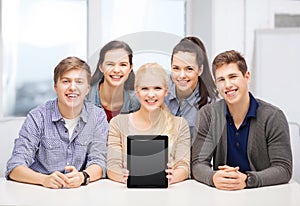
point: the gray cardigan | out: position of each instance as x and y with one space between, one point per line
269 149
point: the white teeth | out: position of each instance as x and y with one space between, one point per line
151 101
116 77
72 95
183 82
230 92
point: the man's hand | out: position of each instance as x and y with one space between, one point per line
75 178
229 178
56 180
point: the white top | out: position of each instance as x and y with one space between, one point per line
71 124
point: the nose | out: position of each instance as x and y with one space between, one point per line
72 85
151 93
116 68
182 73
227 83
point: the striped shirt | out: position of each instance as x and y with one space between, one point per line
45 147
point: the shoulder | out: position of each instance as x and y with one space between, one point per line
92 107
41 114
130 94
42 109
268 110
180 122
119 119
131 101
93 91
211 108
92 111
266 106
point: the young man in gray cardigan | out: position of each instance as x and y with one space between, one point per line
247 138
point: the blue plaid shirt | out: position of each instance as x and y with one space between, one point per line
44 145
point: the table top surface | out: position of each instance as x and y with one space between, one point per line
106 192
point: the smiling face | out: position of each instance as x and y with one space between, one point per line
232 84
151 86
151 92
185 71
116 67
71 88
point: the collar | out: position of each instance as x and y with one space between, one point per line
56 115
251 111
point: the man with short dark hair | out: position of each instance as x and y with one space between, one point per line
247 138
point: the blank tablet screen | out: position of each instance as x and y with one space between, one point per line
147 158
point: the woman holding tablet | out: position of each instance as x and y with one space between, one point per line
153 118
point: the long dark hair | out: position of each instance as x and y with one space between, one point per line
112 45
207 88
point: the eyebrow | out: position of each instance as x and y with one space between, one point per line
228 75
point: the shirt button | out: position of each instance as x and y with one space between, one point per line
237 134
238 145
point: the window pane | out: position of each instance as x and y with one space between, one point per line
122 18
37 34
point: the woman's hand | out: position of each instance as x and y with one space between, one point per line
170 172
125 174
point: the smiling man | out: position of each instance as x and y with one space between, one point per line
62 144
247 138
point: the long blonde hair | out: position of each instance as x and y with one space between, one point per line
160 73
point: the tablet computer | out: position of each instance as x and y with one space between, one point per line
147 158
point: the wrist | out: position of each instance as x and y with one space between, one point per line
250 180
85 177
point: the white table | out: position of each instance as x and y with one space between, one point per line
188 193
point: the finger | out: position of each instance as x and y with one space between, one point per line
223 167
59 183
169 171
125 172
62 178
228 169
69 169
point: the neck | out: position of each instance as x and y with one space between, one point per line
69 113
184 94
111 97
239 110
144 119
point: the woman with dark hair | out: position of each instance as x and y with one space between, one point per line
192 85
113 81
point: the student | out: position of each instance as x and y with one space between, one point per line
247 138
192 85
153 118
62 144
112 82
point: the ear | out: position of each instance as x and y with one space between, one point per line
248 76
55 88
200 70
88 89
166 91
100 68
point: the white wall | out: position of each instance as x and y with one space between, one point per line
232 24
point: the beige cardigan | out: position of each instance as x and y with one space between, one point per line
121 126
